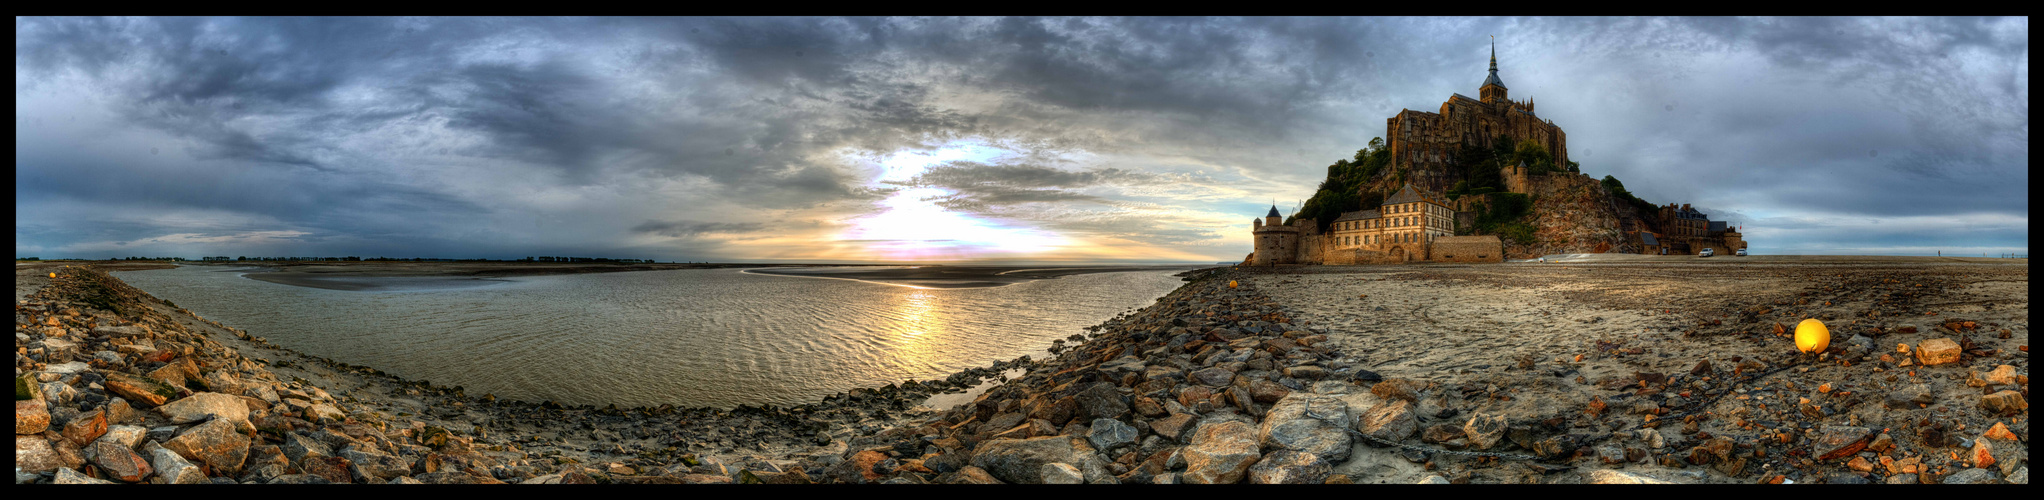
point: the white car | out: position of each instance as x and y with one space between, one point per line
1706 253
1741 252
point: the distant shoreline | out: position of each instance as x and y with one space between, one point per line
959 276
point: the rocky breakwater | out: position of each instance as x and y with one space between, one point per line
1212 384
113 385
110 388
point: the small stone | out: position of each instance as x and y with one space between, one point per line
370 465
1106 434
204 405
2004 402
1148 407
1268 392
1971 476
1908 398
2022 476
1306 372
1101 400
174 468
34 455
1937 351
1433 479
1838 441
1399 389
973 475
1881 444
120 462
84 429
68 476
323 412
1608 476
1290 467
1216 377
31 416
332 469
1021 460
1062 473
1172 427
1390 422
1310 423
1485 430
1440 433
146 392
1220 453
214 443
1999 431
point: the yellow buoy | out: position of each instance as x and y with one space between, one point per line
1811 336
1231 283
53 275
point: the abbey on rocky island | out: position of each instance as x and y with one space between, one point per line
1416 224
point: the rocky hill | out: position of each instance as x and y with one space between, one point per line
1571 213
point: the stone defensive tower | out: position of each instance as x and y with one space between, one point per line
1276 243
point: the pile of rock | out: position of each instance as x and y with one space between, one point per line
1211 385
108 388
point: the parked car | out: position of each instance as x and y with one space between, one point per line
1706 253
1740 253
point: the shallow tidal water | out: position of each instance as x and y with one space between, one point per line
710 337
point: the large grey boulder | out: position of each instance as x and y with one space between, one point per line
1022 460
1310 423
1220 453
1290 467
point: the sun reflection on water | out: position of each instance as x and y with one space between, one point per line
921 331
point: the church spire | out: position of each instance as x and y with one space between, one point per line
1493 54
1489 94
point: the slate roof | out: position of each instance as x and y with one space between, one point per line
1647 238
1717 226
1405 195
1358 215
1274 212
1493 80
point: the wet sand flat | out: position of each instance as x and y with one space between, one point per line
1534 341
954 276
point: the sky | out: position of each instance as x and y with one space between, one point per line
967 139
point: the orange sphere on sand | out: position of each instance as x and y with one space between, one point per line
1231 283
1812 336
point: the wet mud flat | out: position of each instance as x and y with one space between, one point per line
953 276
1687 372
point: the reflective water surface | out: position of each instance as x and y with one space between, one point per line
711 337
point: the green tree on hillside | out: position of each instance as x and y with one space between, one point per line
1339 191
1535 156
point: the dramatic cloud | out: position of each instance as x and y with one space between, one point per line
850 139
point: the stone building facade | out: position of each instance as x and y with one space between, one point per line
1685 231
1405 228
1423 138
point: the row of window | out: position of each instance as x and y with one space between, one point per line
1392 222
1374 239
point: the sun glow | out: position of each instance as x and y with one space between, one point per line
912 226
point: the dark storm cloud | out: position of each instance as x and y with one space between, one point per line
689 229
502 135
